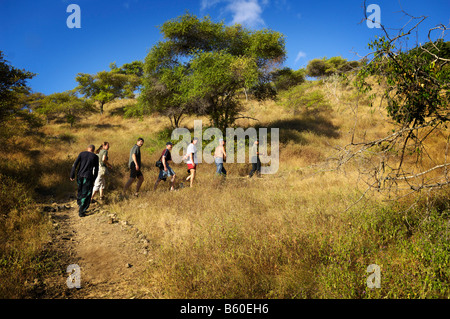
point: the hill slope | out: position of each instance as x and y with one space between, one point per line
301 233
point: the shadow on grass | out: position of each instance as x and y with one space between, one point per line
291 129
98 126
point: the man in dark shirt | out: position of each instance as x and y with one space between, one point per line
86 169
134 164
166 170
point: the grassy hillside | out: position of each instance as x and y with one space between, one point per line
301 233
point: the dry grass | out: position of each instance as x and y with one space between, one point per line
287 235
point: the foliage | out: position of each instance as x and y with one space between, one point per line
106 86
325 67
65 103
414 86
15 115
417 84
305 97
286 78
201 66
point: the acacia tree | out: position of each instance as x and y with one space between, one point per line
285 78
416 91
333 66
63 103
106 86
201 66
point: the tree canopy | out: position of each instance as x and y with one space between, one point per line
106 86
325 67
15 116
200 66
63 103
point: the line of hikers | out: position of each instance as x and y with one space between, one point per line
92 165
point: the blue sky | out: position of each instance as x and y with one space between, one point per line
34 34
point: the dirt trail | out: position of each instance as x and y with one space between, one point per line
112 255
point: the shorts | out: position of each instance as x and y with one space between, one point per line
163 174
100 180
191 166
133 172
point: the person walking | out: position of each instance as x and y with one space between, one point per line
166 171
219 158
256 163
134 164
86 169
99 184
192 160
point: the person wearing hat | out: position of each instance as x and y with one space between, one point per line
166 170
219 157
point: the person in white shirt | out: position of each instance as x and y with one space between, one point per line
192 160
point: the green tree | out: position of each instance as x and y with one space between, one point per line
286 78
415 90
201 66
15 116
326 67
106 86
64 103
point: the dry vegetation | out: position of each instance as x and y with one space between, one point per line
301 233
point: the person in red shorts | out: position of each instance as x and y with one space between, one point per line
192 160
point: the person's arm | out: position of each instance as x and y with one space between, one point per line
191 156
224 153
74 168
135 161
163 159
96 164
105 161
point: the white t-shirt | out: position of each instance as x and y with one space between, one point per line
191 149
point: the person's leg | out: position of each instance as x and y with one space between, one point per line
192 176
254 168
171 174
172 180
218 168
133 176
80 181
128 184
258 167
158 179
139 183
156 183
98 184
224 171
85 195
172 183
189 176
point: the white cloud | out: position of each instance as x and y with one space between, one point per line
300 55
245 12
206 4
